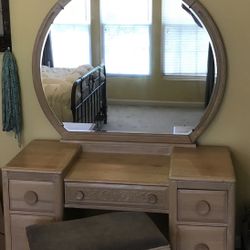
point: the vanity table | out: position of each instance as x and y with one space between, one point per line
154 171
193 185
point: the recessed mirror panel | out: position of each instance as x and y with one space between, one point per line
149 67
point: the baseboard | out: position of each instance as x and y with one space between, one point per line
155 103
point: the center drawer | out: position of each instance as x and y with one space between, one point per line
116 196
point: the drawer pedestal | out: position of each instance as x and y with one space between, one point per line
201 199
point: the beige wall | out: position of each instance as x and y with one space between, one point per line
230 127
156 89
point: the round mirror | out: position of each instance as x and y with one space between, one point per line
125 70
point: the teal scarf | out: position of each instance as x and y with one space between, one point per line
11 98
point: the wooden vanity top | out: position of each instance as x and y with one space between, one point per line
120 168
204 163
45 156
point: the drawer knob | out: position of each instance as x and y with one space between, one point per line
79 195
201 246
31 197
152 199
203 208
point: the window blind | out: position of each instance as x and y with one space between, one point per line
184 44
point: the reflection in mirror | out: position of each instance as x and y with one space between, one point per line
128 66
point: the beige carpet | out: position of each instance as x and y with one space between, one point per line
150 119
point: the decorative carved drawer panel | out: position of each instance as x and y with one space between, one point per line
33 196
202 206
116 196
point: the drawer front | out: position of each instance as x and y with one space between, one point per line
201 238
146 198
202 206
37 196
18 223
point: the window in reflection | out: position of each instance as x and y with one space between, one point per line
127 37
185 44
70 35
126 28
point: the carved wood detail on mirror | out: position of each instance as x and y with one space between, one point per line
152 102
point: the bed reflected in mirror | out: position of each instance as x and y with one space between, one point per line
144 66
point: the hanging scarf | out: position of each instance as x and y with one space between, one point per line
11 98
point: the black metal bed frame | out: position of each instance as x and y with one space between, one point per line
88 98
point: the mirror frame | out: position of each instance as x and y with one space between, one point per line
5 38
219 52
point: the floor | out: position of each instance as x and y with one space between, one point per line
150 119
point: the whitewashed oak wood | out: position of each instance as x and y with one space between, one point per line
202 203
31 195
195 186
40 168
202 206
120 168
205 163
18 223
116 181
201 238
50 156
117 196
